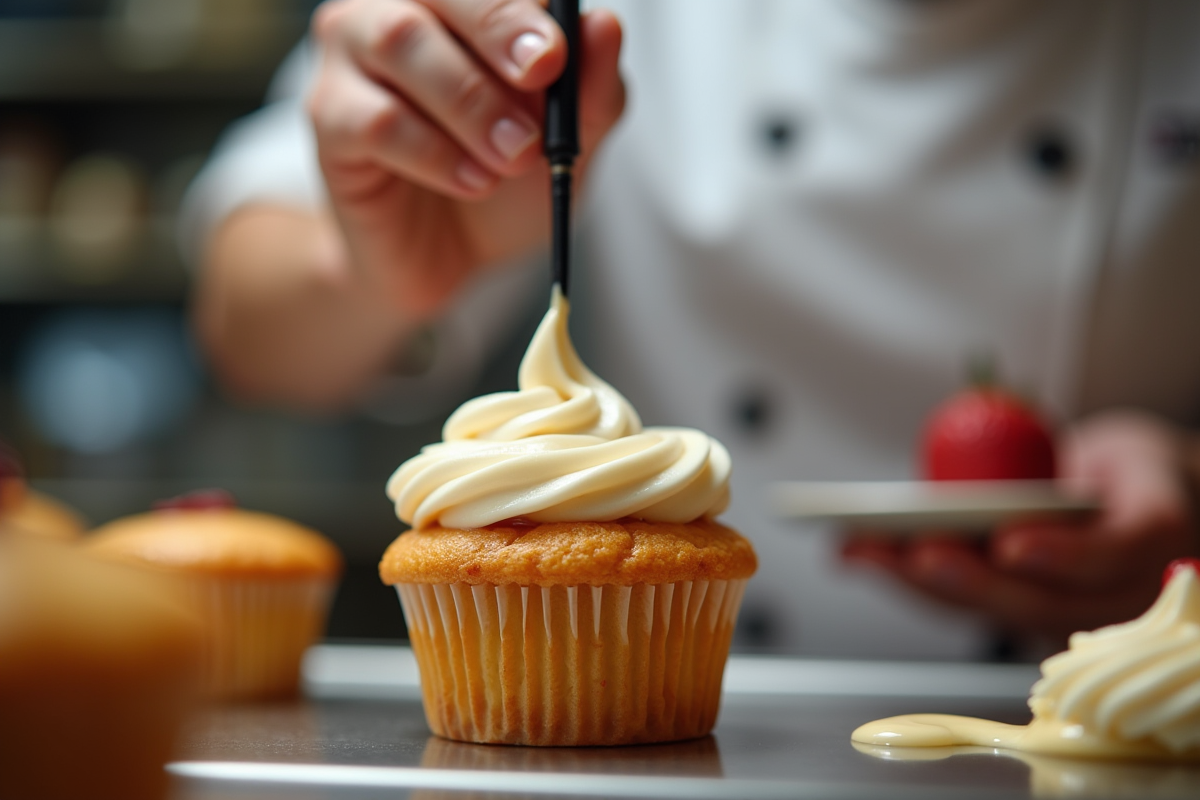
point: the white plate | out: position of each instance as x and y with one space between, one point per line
912 506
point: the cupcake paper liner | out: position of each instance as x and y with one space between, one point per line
571 665
257 633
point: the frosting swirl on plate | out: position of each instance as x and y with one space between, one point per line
1125 691
1140 679
565 447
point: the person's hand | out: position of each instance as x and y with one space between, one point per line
428 123
1052 578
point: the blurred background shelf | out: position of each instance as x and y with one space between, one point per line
34 268
354 513
107 110
104 59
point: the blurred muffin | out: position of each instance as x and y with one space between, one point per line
42 515
262 585
564 582
98 669
22 510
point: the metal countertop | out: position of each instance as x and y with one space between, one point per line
783 732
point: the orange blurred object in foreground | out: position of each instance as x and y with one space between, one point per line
99 666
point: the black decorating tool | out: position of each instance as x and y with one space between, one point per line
560 141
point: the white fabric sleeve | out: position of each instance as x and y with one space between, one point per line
269 156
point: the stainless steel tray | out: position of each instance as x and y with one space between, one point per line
783 733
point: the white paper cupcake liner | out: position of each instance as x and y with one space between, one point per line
571 665
258 631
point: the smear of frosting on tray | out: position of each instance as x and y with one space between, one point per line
1129 691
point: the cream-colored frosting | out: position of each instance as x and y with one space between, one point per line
565 447
1137 680
1125 691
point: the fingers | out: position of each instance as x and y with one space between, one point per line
1073 556
361 126
1055 577
1130 463
459 107
405 47
517 39
1087 557
883 552
964 578
959 574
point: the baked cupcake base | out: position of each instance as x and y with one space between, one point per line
261 585
571 665
257 632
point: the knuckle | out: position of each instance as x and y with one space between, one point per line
345 129
317 106
378 125
471 94
616 103
314 107
406 26
422 147
498 13
327 19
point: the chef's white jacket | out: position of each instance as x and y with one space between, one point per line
814 211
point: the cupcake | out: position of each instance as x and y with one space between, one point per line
24 511
98 671
42 515
1128 691
262 585
564 581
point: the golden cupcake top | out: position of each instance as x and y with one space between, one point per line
624 552
565 447
39 514
217 539
25 511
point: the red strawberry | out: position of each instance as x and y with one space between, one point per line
986 432
1179 565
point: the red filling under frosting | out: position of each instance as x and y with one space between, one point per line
199 500
1178 565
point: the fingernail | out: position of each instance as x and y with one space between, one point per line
473 176
512 138
527 47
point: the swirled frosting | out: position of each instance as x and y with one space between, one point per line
1124 691
1137 680
565 447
